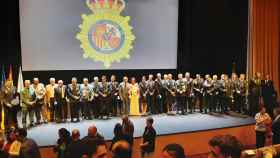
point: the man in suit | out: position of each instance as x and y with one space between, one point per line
104 93
170 92
86 98
159 93
268 94
198 91
124 95
208 90
189 91
114 95
180 94
215 100
60 102
276 126
255 93
74 95
40 92
27 97
151 95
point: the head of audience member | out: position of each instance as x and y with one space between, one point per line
27 83
2 141
125 119
92 131
187 75
35 81
133 81
118 130
63 134
150 77
158 76
180 76
75 135
149 122
143 78
52 81
173 151
113 78
21 134
165 77
60 83
85 81
225 146
11 135
276 112
125 79
74 81
100 149
121 149
103 78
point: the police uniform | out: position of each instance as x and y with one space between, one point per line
27 96
160 97
115 99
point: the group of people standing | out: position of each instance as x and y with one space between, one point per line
153 95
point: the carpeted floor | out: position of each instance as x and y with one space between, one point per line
46 134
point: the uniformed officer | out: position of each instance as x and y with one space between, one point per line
171 93
159 93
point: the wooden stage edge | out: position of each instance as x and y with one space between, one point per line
195 143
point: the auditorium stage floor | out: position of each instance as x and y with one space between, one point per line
46 134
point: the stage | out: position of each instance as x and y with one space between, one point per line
46 134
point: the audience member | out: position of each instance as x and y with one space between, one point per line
173 151
128 130
100 149
263 120
225 146
28 147
121 149
3 154
276 126
149 138
62 143
118 134
74 149
89 141
10 138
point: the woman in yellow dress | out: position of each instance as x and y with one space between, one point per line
134 97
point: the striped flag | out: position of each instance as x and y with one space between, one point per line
3 80
20 85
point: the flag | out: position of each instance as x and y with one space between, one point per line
10 76
3 77
20 85
3 80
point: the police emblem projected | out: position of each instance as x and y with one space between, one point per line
105 35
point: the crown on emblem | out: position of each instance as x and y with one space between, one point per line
102 6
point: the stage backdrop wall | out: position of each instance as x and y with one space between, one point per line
211 36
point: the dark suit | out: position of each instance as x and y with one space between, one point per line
276 131
149 136
268 94
74 95
88 143
74 149
255 94
61 104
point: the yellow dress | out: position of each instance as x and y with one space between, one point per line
134 100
